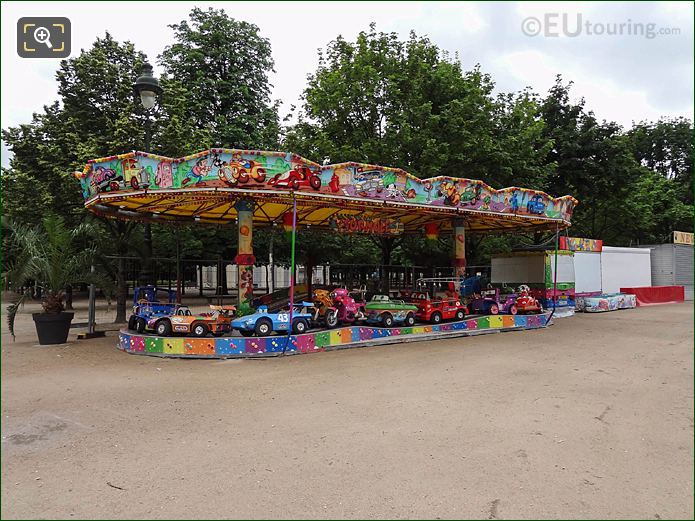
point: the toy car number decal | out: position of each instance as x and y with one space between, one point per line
283 317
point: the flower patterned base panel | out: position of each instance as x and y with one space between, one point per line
353 336
601 303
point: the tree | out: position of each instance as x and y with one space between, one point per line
665 191
522 143
120 238
177 132
407 104
594 164
224 64
383 101
95 117
655 207
666 147
49 254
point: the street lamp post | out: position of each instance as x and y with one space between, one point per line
148 90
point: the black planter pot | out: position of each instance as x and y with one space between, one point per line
53 328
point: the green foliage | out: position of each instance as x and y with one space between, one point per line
621 200
96 117
223 64
50 254
379 99
666 147
244 309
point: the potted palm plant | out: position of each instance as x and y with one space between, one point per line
51 256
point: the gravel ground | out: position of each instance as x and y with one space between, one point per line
590 418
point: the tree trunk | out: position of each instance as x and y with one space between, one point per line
223 278
308 274
387 246
200 280
121 291
68 297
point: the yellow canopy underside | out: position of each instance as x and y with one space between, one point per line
217 206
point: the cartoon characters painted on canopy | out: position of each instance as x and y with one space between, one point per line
299 176
238 170
105 179
198 172
164 178
451 195
282 171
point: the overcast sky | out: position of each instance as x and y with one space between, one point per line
624 78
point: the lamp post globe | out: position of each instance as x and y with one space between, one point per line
147 87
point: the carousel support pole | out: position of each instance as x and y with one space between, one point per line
459 249
270 282
245 259
292 272
178 269
557 241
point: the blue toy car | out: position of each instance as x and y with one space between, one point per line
147 305
536 205
263 323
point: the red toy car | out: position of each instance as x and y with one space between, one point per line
298 176
526 303
436 309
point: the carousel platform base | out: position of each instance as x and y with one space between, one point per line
317 341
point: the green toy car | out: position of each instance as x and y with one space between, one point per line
386 312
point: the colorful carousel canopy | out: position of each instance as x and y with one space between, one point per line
351 197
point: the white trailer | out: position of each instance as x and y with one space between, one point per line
625 268
533 267
587 272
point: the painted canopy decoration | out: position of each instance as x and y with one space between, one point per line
205 186
581 244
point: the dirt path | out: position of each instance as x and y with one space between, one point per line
591 418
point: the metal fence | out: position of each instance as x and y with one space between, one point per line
214 277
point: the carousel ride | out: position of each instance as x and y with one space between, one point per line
251 188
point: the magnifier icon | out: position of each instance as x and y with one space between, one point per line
43 35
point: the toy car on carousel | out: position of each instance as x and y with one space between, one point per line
336 307
526 303
151 301
436 309
491 302
263 323
217 321
382 310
